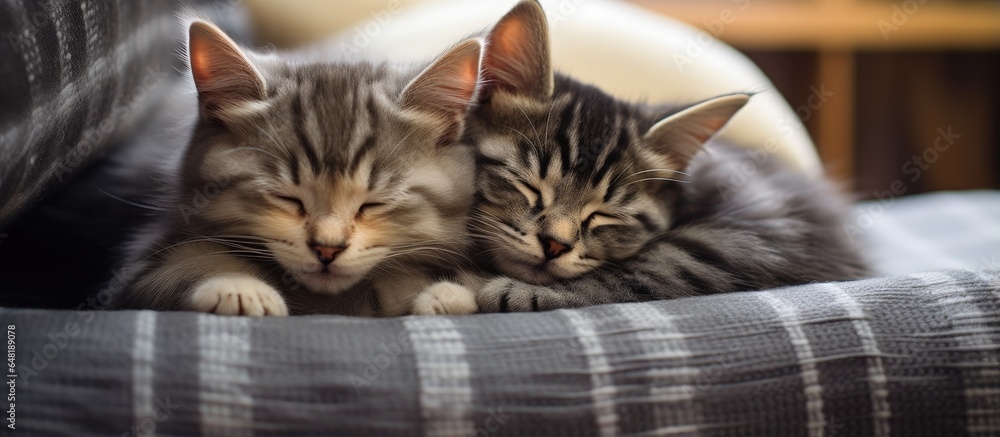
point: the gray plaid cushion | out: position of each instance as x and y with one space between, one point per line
910 355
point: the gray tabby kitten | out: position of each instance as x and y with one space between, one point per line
584 199
315 187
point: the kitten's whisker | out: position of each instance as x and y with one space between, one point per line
547 124
232 236
658 179
490 238
487 251
281 141
619 174
392 152
511 232
530 123
434 250
151 208
530 143
478 222
229 241
275 140
479 229
476 230
257 149
197 240
495 258
226 253
661 169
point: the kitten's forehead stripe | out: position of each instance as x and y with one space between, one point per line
293 167
562 137
300 132
368 145
609 193
543 163
363 151
614 155
525 151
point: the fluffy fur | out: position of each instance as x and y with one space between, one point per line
584 199
314 187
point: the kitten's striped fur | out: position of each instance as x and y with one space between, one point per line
584 199
314 187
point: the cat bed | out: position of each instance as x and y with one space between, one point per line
907 355
911 355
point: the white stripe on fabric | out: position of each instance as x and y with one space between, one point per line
65 41
602 392
670 388
443 370
789 318
143 356
979 374
877 380
225 406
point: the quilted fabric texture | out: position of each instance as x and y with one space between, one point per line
911 355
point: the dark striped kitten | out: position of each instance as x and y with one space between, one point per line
309 184
585 199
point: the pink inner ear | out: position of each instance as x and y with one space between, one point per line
517 56
711 126
448 86
200 61
509 39
505 49
464 85
221 72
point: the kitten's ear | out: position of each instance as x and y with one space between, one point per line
448 87
681 136
517 53
222 73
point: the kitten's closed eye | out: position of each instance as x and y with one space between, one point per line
534 196
370 208
290 203
596 219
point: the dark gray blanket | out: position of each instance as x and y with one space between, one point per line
76 76
910 355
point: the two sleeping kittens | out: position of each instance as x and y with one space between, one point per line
368 189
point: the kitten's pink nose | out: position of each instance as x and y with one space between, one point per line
326 254
553 248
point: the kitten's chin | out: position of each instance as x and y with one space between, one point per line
534 273
327 282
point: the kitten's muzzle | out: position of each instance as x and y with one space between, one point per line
327 254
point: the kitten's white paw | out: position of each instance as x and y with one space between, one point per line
237 296
445 298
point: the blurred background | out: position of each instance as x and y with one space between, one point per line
876 82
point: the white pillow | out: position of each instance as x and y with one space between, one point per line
627 51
